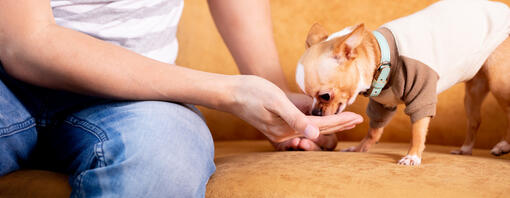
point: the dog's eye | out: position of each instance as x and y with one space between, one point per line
325 97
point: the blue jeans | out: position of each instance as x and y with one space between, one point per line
109 148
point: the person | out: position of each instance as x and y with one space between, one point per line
90 88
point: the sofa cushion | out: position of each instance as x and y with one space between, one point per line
34 183
252 169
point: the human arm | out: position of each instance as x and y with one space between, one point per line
246 28
36 50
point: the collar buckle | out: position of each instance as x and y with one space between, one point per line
383 71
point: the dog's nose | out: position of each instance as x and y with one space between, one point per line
317 112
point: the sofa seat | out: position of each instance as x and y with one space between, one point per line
252 169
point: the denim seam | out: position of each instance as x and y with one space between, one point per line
79 179
87 126
14 128
96 131
99 154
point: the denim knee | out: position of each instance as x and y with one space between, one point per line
154 149
18 134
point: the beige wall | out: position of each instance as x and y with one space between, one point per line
201 48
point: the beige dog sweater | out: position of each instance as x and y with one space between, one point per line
434 49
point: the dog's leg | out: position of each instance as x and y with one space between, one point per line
476 90
371 138
497 68
413 157
503 147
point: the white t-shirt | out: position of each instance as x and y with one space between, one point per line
147 27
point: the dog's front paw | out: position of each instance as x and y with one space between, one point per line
350 149
501 148
362 147
359 148
464 150
410 160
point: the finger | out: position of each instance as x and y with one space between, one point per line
309 145
296 119
337 129
335 120
327 142
344 118
289 145
293 145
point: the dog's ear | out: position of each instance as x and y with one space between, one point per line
316 34
346 48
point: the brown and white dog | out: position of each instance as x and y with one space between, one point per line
447 43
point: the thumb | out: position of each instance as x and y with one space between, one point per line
298 121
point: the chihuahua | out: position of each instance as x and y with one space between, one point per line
409 61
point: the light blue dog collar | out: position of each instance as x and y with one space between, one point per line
383 71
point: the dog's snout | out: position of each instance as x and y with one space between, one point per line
317 112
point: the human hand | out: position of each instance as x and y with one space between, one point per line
267 108
324 142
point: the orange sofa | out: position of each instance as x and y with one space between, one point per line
247 165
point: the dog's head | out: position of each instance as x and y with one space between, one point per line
329 70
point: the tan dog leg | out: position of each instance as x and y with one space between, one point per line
371 138
497 69
503 147
476 90
413 157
